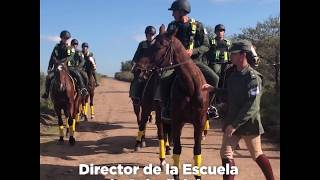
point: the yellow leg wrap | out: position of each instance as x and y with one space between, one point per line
61 131
162 151
78 117
87 106
67 124
197 161
72 128
207 125
167 142
140 133
92 110
176 160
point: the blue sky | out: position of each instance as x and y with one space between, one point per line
113 28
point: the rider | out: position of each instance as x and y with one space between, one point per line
219 52
88 56
136 86
77 61
194 38
60 52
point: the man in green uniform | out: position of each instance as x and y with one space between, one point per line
194 38
136 86
88 56
244 90
77 61
218 55
62 51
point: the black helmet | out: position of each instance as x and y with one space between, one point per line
150 30
219 27
85 45
74 41
181 5
65 34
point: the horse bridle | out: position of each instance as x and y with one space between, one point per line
170 50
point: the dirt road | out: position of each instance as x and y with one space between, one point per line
109 140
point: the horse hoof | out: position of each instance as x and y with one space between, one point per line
61 141
203 138
163 166
198 177
92 117
137 148
72 140
168 152
176 177
143 144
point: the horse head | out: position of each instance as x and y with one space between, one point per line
61 73
165 48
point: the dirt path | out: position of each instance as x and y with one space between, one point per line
109 140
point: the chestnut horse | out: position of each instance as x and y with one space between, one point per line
149 104
64 97
189 102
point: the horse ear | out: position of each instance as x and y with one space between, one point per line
174 32
162 29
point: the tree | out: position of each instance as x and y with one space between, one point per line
126 66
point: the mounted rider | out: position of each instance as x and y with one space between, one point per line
90 62
136 86
62 51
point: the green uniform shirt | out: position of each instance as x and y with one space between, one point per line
87 64
76 58
60 51
244 90
143 45
219 51
186 36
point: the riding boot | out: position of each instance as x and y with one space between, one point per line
231 163
47 88
82 87
265 166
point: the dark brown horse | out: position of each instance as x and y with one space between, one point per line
91 87
189 103
149 104
64 97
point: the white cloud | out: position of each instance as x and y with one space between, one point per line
50 38
138 37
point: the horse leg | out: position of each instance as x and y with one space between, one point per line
206 128
161 137
142 127
177 126
60 123
136 109
91 104
85 108
167 135
72 123
77 108
197 148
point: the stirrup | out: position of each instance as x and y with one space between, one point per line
45 95
213 112
84 92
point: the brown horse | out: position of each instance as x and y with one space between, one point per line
64 97
189 103
91 87
149 104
